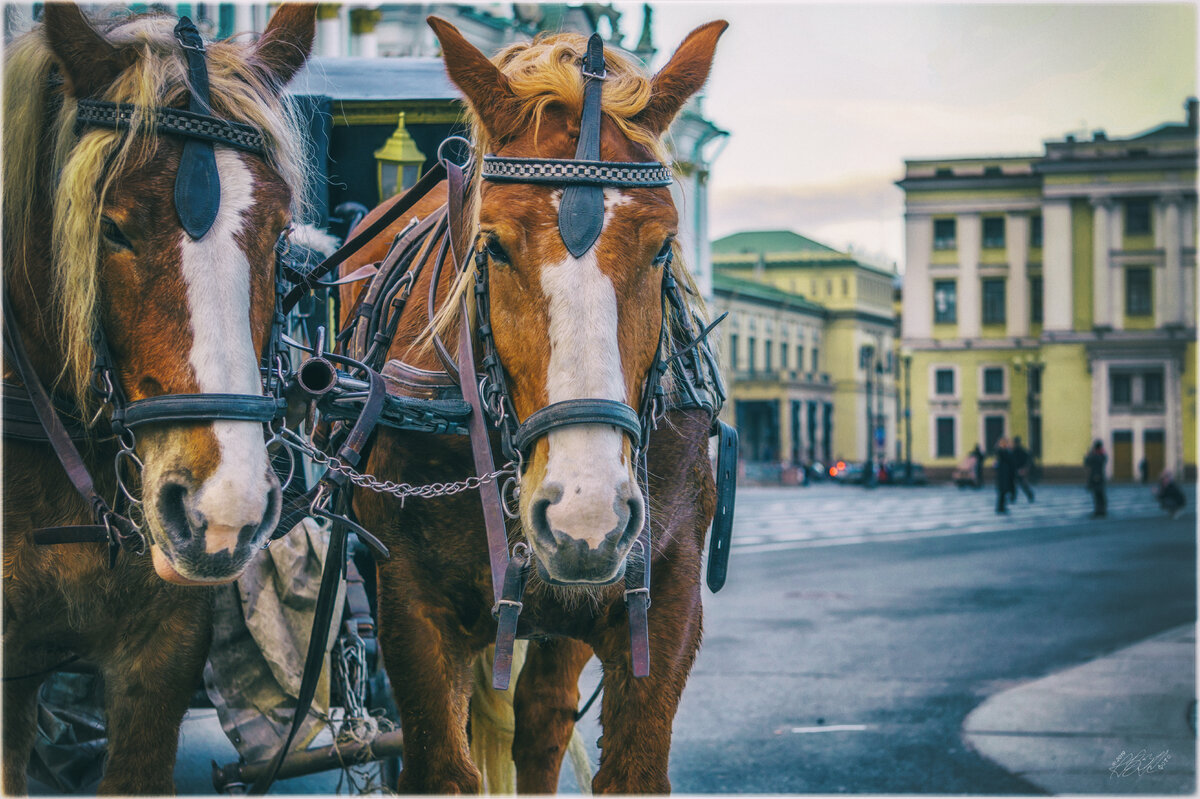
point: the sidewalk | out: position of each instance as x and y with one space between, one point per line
1123 723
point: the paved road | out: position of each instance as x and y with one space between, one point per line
851 668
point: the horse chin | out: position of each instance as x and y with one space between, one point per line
165 569
582 582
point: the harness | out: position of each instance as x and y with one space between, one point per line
353 388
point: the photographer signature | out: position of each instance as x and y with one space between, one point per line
1129 763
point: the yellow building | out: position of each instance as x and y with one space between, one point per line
811 364
1054 297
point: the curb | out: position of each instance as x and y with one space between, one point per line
1123 723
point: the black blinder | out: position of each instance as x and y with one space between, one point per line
581 210
198 184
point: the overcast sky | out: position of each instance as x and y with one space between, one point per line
824 102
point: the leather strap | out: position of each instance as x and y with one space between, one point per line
581 209
507 612
722 524
199 408
197 184
575 412
21 419
567 171
637 589
364 236
175 121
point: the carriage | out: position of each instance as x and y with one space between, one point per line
386 392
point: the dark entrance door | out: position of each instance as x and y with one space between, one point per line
1155 444
1122 455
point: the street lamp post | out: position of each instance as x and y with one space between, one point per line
866 359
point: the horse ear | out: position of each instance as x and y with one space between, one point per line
485 86
682 77
89 62
287 41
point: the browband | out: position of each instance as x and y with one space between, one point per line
119 116
567 171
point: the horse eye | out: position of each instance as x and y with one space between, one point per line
664 254
113 235
495 251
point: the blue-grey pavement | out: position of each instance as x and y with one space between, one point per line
1124 723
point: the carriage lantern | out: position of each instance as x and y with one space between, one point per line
400 162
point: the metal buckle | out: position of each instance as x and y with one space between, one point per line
645 591
601 76
496 608
441 156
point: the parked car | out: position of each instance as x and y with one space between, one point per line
894 473
843 472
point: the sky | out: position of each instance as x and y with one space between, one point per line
824 102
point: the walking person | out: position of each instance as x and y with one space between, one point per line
1095 465
1004 475
977 454
1022 462
1170 497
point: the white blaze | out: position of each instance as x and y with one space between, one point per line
217 275
585 363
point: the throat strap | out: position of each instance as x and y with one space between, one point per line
197 184
581 210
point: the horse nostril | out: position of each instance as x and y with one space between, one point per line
176 516
541 524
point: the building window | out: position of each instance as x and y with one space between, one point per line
1035 299
993 232
944 235
733 352
993 300
945 437
814 360
1137 218
1035 230
783 355
767 355
1035 380
1152 388
993 380
944 382
799 357
945 302
993 431
1138 292
1120 389
750 360
1035 435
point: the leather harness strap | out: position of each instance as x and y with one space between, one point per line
197 183
575 412
581 210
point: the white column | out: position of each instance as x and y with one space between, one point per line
1101 274
917 306
1016 242
1099 409
1057 280
970 228
1171 300
1173 418
243 18
329 31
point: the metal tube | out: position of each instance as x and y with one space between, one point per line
310 761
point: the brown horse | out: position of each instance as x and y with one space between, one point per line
565 327
93 241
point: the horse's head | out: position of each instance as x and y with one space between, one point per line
575 326
182 313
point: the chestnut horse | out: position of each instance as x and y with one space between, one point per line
564 327
93 241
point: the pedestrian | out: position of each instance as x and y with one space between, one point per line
1095 465
1022 462
977 454
1170 497
1004 474
1144 470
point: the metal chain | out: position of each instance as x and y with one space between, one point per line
401 491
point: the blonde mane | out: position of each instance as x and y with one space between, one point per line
83 165
545 71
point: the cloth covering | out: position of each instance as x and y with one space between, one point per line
261 627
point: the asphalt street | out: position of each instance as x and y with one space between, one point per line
851 668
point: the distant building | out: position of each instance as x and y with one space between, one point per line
808 348
1053 296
